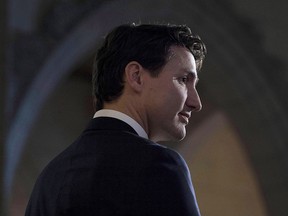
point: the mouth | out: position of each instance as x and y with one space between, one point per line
184 117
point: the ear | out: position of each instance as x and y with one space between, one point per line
134 75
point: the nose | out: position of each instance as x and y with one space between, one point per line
193 100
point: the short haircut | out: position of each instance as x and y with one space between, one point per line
147 44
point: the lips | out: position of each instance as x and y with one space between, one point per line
185 116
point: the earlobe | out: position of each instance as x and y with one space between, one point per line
133 73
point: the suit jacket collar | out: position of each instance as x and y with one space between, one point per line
107 123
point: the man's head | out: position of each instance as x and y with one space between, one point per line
150 73
149 45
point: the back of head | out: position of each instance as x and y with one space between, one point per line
148 44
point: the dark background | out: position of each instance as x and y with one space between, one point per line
236 146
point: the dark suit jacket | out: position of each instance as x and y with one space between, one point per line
110 170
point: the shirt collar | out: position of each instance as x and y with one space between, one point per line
123 117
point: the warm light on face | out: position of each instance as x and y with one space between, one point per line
172 97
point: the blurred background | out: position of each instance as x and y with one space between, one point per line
236 147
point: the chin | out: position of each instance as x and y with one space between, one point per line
171 137
181 137
177 135
180 132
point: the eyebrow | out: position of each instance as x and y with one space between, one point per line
193 73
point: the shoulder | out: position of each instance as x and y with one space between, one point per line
165 181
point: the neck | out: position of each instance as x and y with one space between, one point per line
136 113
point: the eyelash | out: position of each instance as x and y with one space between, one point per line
183 80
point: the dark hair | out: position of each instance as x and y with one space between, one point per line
147 44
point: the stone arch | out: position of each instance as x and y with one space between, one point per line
230 59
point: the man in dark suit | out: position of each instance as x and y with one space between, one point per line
144 83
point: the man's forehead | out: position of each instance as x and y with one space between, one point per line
174 50
184 58
179 51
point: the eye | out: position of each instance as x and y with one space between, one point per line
183 80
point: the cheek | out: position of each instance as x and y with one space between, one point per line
168 97
174 101
178 95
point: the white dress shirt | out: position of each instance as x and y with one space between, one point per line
123 117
